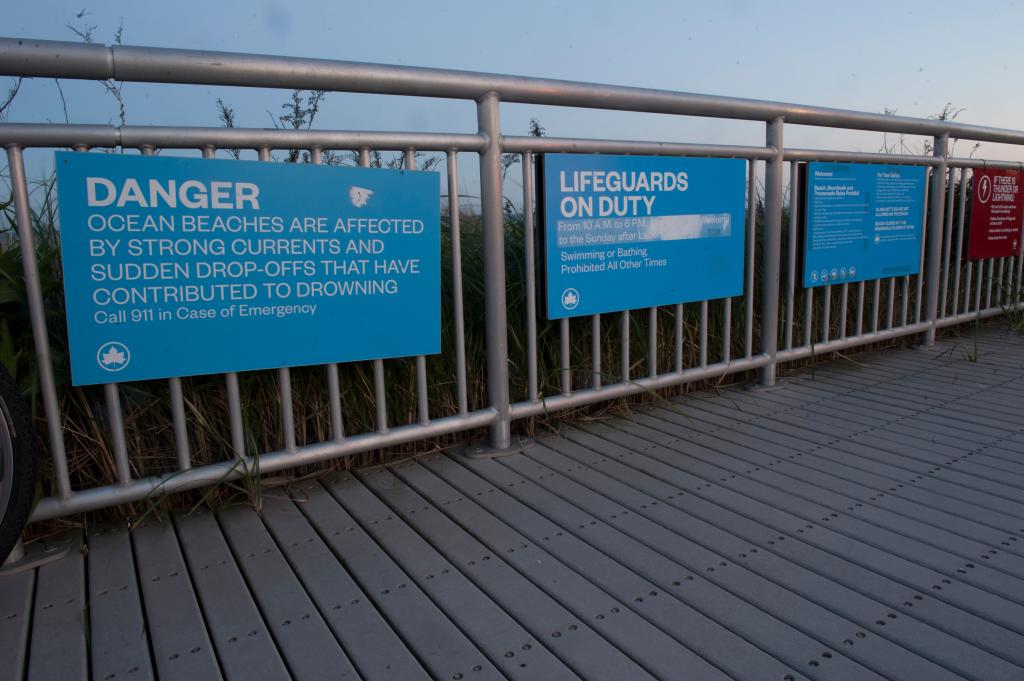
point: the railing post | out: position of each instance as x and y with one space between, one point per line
936 216
771 249
488 122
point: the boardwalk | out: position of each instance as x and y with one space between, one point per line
862 522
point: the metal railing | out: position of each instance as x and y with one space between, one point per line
786 323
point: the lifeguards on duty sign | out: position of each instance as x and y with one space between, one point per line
627 232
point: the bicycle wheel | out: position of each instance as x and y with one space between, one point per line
17 464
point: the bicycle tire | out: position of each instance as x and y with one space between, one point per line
19 469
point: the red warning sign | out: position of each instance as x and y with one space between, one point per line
997 209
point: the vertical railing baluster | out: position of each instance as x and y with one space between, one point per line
624 345
961 205
947 246
999 280
287 409
988 287
495 310
529 256
791 241
1007 297
1020 272
564 359
978 286
652 342
843 309
919 298
968 281
809 316
459 315
680 310
876 297
727 330
936 209
703 333
891 306
595 351
772 245
860 307
751 244
120 446
905 300
422 386
826 315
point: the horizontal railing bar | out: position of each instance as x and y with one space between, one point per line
223 471
805 351
516 143
835 345
58 135
985 313
179 137
580 398
58 59
859 157
185 137
984 163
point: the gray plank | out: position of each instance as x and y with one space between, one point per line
303 638
914 393
913 472
530 583
650 497
923 567
704 412
913 540
760 524
882 474
245 648
373 646
807 625
439 645
118 639
688 469
181 643
521 652
16 593
59 619
860 478
720 646
937 528
689 574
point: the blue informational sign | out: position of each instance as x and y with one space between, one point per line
625 232
863 222
179 266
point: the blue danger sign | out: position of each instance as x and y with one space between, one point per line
863 222
178 266
626 232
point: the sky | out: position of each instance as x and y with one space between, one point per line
911 57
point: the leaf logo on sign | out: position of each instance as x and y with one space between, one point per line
570 298
113 356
